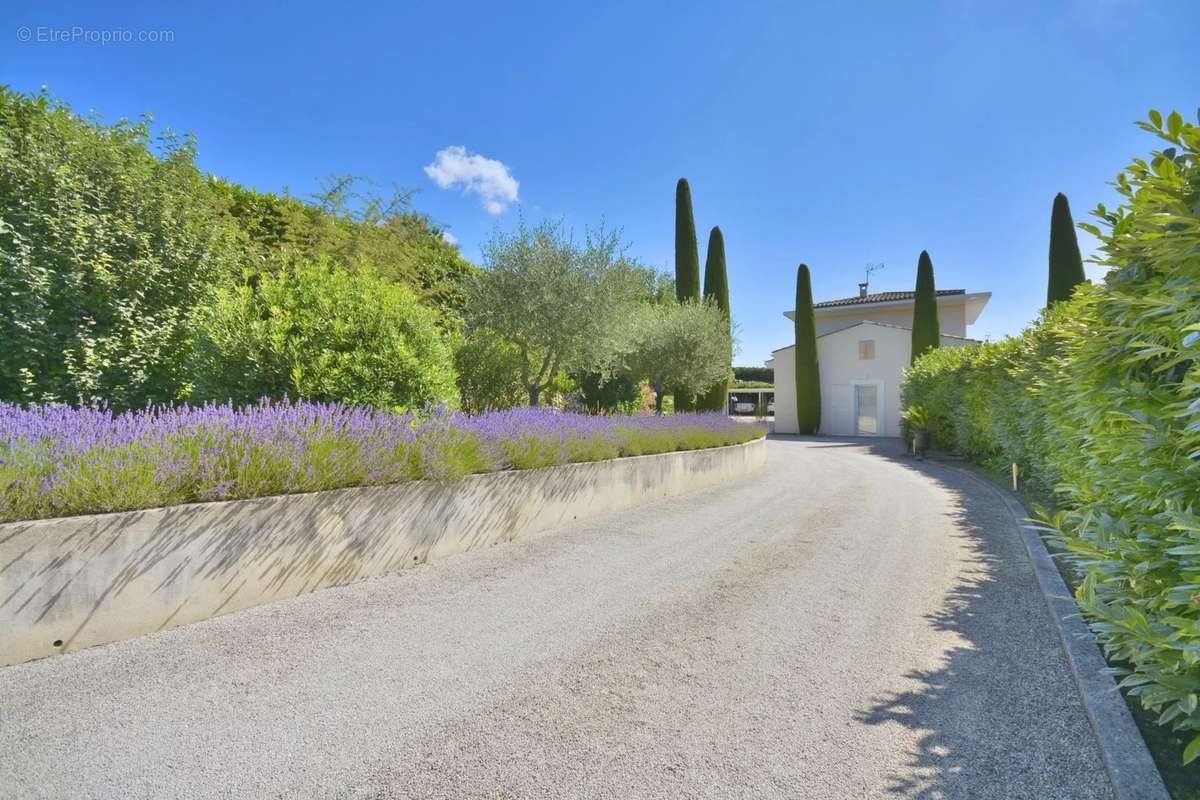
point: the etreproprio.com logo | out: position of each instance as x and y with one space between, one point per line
77 34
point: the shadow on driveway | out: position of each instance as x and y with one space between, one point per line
1002 707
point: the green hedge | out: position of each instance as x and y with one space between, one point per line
108 237
1100 400
111 237
765 375
323 333
978 403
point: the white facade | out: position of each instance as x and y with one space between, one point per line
862 361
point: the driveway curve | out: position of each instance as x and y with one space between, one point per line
846 624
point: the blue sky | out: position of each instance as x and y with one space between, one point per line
810 132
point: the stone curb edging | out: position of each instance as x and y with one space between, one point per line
1131 769
76 582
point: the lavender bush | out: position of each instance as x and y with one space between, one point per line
59 461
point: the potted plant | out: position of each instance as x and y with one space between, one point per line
917 419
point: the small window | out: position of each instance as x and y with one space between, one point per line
866 350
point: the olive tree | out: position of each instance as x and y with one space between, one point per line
677 344
559 302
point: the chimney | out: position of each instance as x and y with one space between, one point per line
862 290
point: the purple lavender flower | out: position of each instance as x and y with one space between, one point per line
57 460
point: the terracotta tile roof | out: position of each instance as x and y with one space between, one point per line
881 297
880 324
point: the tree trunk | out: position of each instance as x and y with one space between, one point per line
658 399
535 392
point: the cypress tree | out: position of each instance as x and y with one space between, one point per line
687 253
926 331
1066 264
716 287
808 373
687 268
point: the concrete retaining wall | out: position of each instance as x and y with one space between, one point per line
67 584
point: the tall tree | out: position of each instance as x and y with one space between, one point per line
808 372
676 344
560 303
687 270
1066 265
716 289
926 330
687 252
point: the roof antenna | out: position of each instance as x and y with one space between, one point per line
862 287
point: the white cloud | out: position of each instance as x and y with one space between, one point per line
449 238
486 177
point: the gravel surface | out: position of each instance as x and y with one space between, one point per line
844 625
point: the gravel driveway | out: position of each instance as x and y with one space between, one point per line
844 625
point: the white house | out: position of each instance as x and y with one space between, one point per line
864 343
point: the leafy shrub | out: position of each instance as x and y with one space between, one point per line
353 227
1101 400
976 402
600 395
489 373
1130 423
107 240
321 333
916 418
110 237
